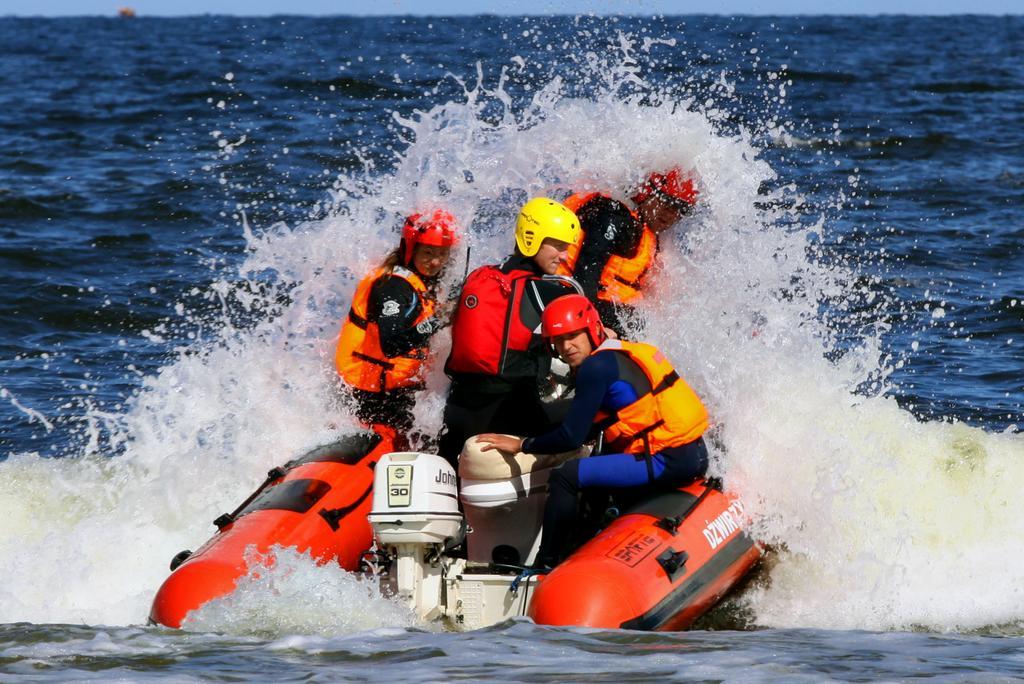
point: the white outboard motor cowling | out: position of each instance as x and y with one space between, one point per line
415 500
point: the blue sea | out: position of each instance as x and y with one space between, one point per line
186 205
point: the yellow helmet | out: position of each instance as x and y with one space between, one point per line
542 218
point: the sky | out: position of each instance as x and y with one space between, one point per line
449 7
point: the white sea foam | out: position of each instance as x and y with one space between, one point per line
286 592
878 520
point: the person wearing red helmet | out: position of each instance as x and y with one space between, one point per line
383 341
652 421
619 243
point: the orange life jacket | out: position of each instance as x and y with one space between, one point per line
669 413
359 358
622 277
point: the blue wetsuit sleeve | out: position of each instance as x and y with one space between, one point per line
594 379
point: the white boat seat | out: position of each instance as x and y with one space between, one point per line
503 498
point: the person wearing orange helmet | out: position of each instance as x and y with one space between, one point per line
383 341
652 421
619 242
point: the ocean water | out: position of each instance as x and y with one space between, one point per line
185 207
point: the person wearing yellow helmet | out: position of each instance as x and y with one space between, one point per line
547 227
498 358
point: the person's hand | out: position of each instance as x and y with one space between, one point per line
497 442
611 334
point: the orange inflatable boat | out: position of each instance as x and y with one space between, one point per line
317 503
658 567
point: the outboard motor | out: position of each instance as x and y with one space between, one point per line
415 514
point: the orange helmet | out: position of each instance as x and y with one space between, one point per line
673 186
572 313
437 230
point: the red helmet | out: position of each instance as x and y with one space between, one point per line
674 186
572 313
437 230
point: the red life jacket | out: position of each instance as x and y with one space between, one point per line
487 332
